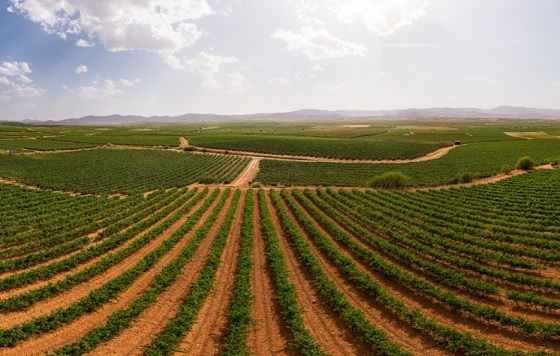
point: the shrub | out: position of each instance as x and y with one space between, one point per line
208 180
525 163
389 180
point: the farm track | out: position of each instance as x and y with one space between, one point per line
322 324
266 336
140 334
248 174
205 336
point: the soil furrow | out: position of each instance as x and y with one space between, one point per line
140 334
205 335
332 337
266 336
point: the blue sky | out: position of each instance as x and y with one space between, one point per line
68 58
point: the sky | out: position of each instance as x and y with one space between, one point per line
71 58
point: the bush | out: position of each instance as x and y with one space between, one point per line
525 163
389 180
208 180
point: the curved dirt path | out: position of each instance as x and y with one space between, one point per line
483 181
330 335
248 174
440 152
266 336
204 338
134 339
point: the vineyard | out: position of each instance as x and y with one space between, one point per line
475 160
319 147
204 270
119 171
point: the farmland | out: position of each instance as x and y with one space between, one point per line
142 248
230 271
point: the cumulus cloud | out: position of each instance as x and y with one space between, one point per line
318 43
100 89
81 69
15 81
158 26
211 67
382 17
84 43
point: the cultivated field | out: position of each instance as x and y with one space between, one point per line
126 244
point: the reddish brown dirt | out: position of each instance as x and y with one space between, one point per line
248 174
205 336
332 337
265 336
60 276
434 311
136 337
82 324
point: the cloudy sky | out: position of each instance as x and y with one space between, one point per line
67 58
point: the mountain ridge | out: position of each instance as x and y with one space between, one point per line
500 112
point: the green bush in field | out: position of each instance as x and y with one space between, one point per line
525 163
389 180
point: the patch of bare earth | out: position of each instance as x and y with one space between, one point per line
71 332
266 336
140 334
326 329
248 174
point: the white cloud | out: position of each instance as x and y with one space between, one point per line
106 88
15 81
210 67
409 45
158 26
81 69
382 17
84 43
318 43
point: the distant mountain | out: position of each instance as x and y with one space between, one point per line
501 112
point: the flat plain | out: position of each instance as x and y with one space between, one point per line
268 239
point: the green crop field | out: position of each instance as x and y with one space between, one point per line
379 272
108 170
128 244
477 160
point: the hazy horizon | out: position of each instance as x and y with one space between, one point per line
72 58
